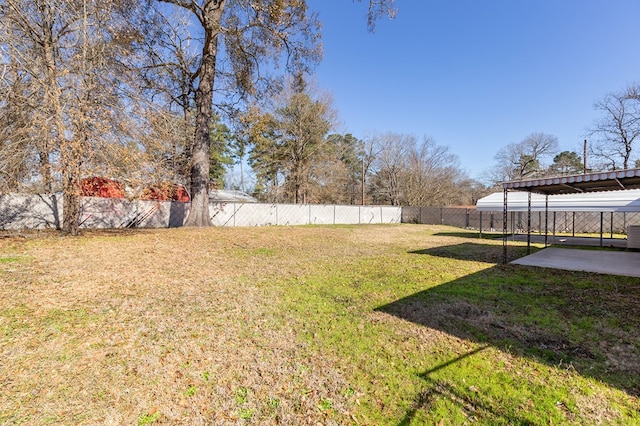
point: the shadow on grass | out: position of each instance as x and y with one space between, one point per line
476 252
472 234
587 322
438 389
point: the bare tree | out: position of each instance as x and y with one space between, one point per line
62 56
378 8
432 176
407 171
49 34
389 165
19 150
169 73
617 130
337 176
524 159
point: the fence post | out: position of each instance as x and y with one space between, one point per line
601 227
539 223
573 224
504 225
528 222
611 225
546 219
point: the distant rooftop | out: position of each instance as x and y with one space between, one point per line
230 196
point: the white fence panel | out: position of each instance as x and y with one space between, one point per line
391 214
293 214
249 214
347 215
98 212
322 215
223 214
161 214
370 214
19 211
45 211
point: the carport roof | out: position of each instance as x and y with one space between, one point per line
591 182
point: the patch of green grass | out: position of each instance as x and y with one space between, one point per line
264 251
245 413
147 419
538 326
273 403
191 390
242 394
325 404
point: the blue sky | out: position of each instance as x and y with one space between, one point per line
478 75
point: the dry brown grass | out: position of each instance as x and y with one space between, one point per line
172 325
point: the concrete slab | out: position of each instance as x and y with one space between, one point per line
574 241
600 261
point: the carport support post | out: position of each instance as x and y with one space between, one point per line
528 222
504 227
611 223
480 226
601 227
546 218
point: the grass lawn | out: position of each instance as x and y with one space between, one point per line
368 325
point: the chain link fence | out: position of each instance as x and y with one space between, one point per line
19 211
609 224
255 214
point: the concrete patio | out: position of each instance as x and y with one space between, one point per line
624 263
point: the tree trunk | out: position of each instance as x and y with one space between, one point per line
69 164
70 203
199 211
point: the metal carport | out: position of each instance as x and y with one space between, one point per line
563 185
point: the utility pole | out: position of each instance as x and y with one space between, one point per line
363 180
585 157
